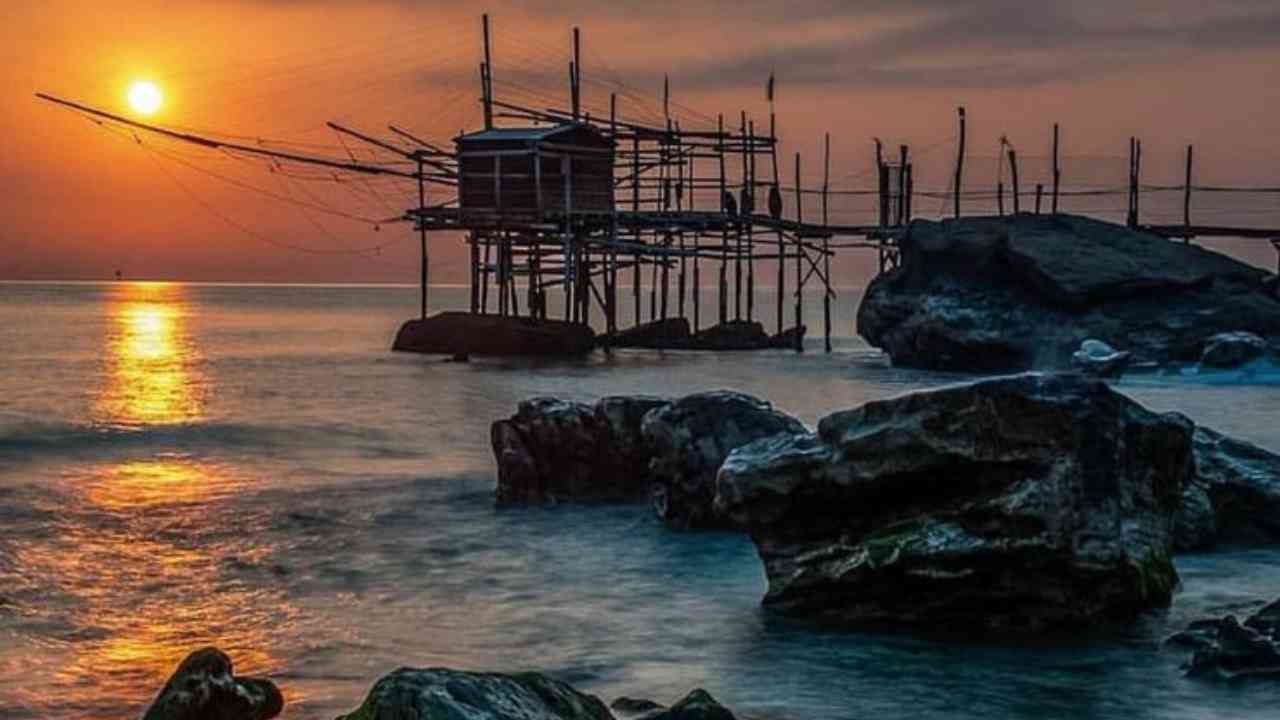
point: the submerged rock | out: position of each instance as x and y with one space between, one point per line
1225 648
689 440
556 451
1233 495
1099 359
204 688
438 693
1023 291
1232 349
1022 503
668 333
464 333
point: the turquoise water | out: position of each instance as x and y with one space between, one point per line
249 466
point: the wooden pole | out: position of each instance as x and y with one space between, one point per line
487 90
576 76
1057 169
744 206
751 259
960 163
1000 198
1039 196
901 215
799 260
422 233
475 274
826 243
883 174
724 232
782 248
484 277
637 278
1186 197
1013 171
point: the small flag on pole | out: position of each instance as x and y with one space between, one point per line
768 88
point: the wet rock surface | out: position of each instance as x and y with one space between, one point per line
1233 349
1233 495
204 687
437 693
1227 649
1023 291
562 451
1098 359
1025 503
691 437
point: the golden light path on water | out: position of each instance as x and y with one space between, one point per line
149 555
151 374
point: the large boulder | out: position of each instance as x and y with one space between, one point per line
439 693
464 333
1022 503
557 451
1232 349
658 334
1023 291
689 440
205 688
1233 496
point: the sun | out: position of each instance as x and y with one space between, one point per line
145 97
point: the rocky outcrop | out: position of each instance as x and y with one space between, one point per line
436 693
1099 359
675 334
559 451
689 440
1022 503
1233 495
1232 349
205 688
697 705
461 334
1225 648
659 334
1023 291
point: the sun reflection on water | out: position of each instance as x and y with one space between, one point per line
152 374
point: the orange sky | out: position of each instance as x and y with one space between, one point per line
80 202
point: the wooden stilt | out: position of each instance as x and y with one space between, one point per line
826 244
799 261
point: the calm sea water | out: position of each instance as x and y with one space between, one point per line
250 467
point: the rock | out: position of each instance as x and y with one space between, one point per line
691 437
1099 359
1223 648
438 693
731 335
697 705
1021 503
463 333
204 688
1232 349
1023 291
668 333
792 337
1233 495
634 706
559 451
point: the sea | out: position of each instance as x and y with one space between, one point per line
251 467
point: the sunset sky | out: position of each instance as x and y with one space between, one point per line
81 202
